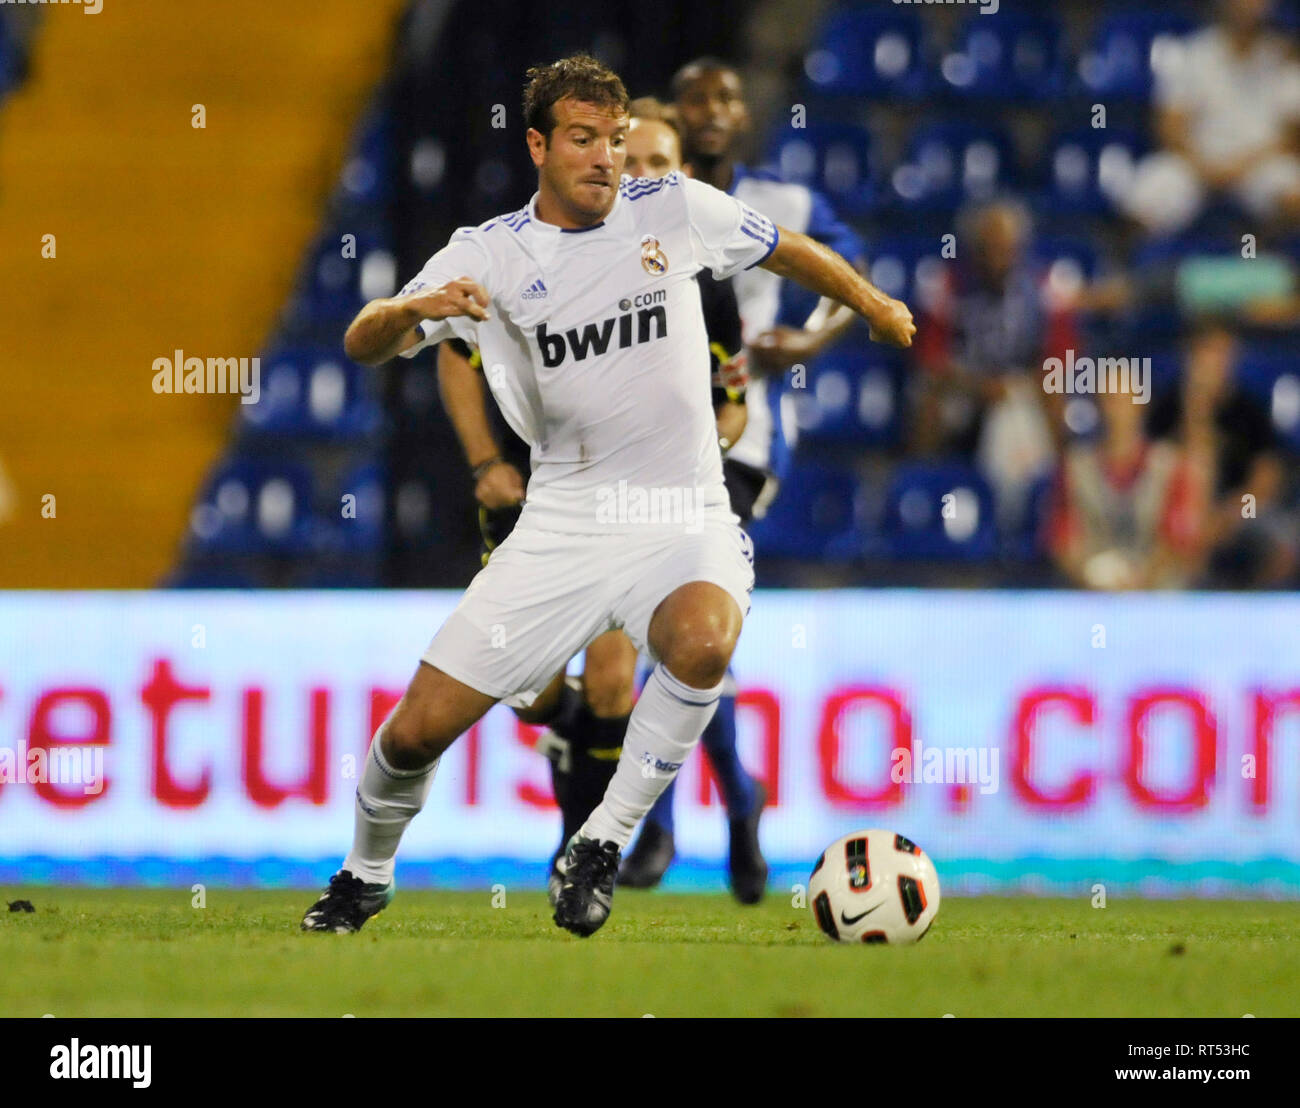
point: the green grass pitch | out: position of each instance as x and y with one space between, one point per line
136 952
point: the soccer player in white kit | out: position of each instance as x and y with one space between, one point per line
585 299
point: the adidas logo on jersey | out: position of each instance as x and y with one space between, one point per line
535 291
595 338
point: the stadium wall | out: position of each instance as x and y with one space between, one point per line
1030 742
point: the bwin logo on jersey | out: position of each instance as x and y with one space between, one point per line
535 291
595 338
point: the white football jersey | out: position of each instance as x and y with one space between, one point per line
596 350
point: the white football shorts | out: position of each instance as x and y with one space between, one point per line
543 596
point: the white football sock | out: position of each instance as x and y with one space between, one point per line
387 800
665 726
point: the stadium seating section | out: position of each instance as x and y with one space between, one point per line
911 114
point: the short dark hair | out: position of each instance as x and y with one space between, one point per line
580 77
697 68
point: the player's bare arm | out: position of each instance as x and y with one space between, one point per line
499 484
819 268
386 327
731 420
777 349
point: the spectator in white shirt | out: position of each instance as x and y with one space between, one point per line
1227 110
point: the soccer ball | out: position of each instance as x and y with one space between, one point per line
874 887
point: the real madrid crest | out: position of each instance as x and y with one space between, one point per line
653 260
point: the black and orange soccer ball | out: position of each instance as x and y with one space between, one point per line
874 887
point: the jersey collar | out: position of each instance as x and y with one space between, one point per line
551 228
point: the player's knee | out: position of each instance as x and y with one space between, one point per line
699 655
607 687
411 740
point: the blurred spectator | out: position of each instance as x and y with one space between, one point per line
1229 437
984 330
1128 513
1227 109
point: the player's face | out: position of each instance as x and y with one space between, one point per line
585 158
713 113
653 149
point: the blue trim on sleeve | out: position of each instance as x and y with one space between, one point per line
775 239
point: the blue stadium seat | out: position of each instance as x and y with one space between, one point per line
414 516
899 265
9 61
1166 369
367 176
1125 50
313 392
947 164
834 158
1273 378
814 516
1089 169
1069 262
1028 543
1081 253
914 522
869 53
1172 249
255 507
854 396
1014 57
343 271
359 522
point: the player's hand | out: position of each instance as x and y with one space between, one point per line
732 374
893 325
463 296
778 349
501 486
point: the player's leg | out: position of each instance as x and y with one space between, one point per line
743 798
585 722
595 730
655 848
395 782
522 617
693 633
